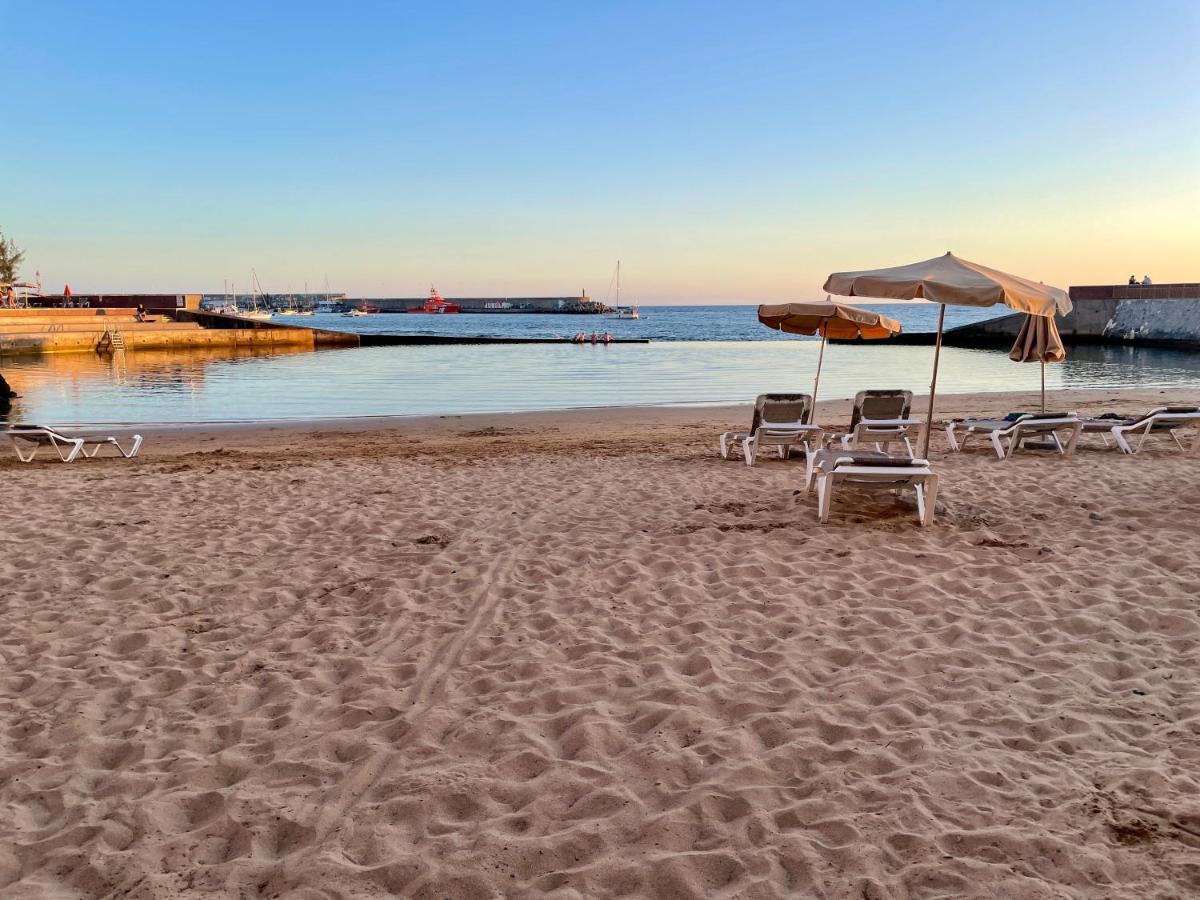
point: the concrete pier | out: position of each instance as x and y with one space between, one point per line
1161 315
102 330
49 330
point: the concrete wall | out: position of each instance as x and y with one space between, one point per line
1161 315
578 304
38 331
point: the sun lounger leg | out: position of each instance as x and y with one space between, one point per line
724 447
749 451
908 447
75 444
1120 439
998 445
824 496
927 499
1057 442
133 451
1145 434
1178 442
1076 431
950 436
21 456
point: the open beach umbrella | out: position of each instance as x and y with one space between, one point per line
1038 341
829 319
950 280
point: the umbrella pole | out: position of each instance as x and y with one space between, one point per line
817 380
937 353
1043 387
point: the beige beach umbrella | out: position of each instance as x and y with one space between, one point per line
1038 341
829 319
950 280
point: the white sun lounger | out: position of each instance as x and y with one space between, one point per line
780 421
1163 420
871 471
67 446
881 417
1016 430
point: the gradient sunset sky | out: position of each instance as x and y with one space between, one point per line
724 152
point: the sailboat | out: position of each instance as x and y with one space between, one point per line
291 309
619 312
255 289
228 306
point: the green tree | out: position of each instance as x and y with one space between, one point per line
10 259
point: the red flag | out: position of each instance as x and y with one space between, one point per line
66 290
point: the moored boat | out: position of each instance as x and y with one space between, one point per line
618 311
436 304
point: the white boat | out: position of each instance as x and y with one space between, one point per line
254 312
618 311
355 313
326 306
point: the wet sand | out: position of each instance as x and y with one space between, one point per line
578 655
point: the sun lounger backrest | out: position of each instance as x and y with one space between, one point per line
781 408
880 405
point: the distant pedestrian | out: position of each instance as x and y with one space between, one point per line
1146 282
1133 279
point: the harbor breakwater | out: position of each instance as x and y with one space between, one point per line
1166 315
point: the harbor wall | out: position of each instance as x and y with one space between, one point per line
1165 315
152 302
37 331
581 305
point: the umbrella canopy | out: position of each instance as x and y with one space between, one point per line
952 281
1038 341
957 282
828 319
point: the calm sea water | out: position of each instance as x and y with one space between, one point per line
699 355
658 323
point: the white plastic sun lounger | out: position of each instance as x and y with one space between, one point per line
1017 429
780 421
871 471
881 417
1163 420
67 446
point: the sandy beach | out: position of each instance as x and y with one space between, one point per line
578 655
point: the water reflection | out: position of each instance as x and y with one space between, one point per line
218 385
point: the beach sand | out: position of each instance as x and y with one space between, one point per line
578 655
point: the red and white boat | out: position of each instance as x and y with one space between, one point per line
436 304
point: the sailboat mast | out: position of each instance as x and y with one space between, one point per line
618 284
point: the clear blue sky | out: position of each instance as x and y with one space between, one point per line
722 151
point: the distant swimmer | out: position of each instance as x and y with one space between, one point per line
607 338
594 338
579 338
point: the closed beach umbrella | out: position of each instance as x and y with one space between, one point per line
950 280
1038 341
829 319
